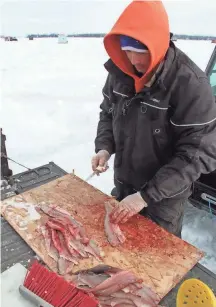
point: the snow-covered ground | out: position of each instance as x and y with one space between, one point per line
50 97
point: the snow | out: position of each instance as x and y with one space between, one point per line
50 108
200 229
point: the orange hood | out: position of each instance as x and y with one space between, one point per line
146 21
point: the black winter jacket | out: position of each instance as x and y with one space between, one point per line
163 137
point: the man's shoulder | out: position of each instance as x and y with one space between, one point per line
186 66
116 75
186 80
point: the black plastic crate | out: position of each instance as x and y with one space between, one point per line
32 178
10 240
209 179
204 197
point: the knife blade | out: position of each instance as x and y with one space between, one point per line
99 169
90 176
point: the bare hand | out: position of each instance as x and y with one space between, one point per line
128 207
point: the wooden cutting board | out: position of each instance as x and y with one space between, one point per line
158 257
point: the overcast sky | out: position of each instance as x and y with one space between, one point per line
45 16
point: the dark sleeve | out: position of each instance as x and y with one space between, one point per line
194 127
104 138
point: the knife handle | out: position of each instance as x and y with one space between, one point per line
32 297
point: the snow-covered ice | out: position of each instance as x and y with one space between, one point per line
50 107
200 230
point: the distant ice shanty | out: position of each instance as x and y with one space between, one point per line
62 39
10 39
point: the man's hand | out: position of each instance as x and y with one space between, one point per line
128 207
99 161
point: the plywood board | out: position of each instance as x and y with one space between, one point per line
158 257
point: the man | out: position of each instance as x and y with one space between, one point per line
158 117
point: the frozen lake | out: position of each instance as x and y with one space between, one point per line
50 108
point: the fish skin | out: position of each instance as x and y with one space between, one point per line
91 279
99 269
146 291
53 253
62 266
96 248
90 250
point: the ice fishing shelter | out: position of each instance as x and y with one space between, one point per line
62 39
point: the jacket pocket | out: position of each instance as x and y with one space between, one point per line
160 141
168 210
159 134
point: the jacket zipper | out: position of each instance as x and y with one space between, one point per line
127 104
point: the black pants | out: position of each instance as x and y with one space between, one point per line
168 213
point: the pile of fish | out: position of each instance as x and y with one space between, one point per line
115 287
65 239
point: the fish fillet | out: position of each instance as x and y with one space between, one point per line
56 240
53 253
65 253
59 213
118 288
76 245
47 238
113 232
51 250
115 283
